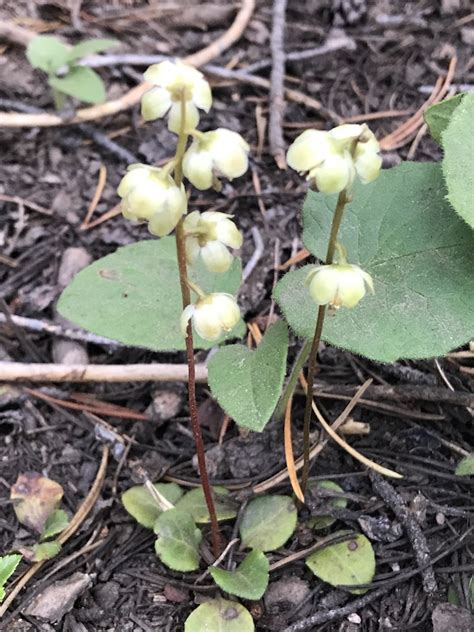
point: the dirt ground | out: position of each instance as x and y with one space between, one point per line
418 412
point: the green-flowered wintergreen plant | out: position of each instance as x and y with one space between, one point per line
62 64
389 251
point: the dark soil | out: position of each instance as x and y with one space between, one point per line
417 427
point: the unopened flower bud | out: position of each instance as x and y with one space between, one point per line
209 235
332 159
338 284
150 194
214 154
173 82
211 315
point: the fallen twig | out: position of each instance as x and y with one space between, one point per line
20 372
277 100
40 326
414 532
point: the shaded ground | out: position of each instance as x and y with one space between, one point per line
398 55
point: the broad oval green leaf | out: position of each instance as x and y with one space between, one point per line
194 503
47 53
143 507
56 522
81 83
247 383
322 522
90 47
402 231
437 116
347 563
133 296
219 615
248 581
465 467
268 522
458 161
178 540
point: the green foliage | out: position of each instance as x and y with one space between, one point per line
178 540
49 54
82 83
133 296
8 564
465 467
437 116
247 383
194 503
44 551
56 522
268 522
143 507
401 230
248 581
458 165
322 522
90 47
219 615
348 563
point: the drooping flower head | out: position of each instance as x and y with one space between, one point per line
211 315
173 81
150 194
209 235
333 159
214 154
338 284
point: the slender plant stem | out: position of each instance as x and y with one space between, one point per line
292 380
186 296
336 223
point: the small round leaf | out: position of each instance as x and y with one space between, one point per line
194 503
322 522
347 563
248 581
178 540
268 522
219 615
143 507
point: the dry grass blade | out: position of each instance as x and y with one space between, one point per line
289 456
348 448
97 195
279 477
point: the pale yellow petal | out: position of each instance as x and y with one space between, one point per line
216 257
155 103
174 116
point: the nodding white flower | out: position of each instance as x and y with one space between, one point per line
338 284
150 194
173 81
211 315
209 235
333 159
220 152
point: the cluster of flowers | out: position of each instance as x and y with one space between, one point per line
332 160
151 194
